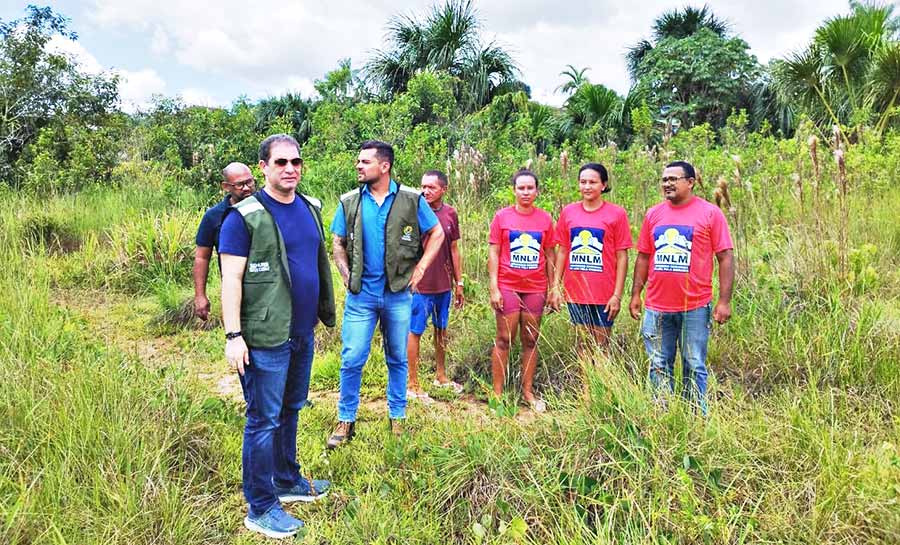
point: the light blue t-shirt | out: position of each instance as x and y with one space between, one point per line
374 219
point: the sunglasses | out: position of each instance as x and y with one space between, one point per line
249 182
673 179
283 162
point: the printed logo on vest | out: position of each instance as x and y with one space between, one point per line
262 266
586 253
407 234
673 248
524 249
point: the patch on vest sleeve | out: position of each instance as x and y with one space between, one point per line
262 266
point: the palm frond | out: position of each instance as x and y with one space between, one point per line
451 29
681 23
884 77
634 56
576 78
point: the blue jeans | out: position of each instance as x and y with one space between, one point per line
663 333
275 385
361 312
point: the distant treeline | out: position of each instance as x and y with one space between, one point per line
438 88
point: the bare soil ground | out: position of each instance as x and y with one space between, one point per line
126 322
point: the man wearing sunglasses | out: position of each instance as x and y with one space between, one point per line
237 183
678 241
274 293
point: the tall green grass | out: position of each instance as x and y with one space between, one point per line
802 444
96 447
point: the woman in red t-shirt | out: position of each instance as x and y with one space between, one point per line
592 261
520 263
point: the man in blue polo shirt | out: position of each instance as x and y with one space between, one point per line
377 246
238 183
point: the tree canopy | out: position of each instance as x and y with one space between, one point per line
40 87
850 72
447 39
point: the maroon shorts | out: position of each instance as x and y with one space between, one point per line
517 301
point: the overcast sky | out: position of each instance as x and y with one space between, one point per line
211 52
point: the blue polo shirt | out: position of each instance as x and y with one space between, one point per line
208 232
374 219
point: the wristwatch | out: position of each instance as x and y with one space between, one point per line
232 335
460 283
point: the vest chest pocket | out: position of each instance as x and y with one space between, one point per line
254 314
409 249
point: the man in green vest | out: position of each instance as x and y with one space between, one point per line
377 245
272 299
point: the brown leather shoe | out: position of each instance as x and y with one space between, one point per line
396 426
343 433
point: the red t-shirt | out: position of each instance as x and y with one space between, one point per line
682 242
590 240
438 275
523 241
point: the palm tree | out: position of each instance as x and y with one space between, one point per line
676 24
446 40
576 79
291 106
593 105
850 73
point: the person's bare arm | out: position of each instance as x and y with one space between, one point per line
236 351
432 246
493 271
200 272
339 253
556 287
456 261
553 297
614 305
722 312
641 266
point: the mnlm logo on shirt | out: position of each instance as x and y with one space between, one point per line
673 248
586 249
524 249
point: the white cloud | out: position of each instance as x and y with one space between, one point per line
159 44
135 87
138 87
198 97
86 61
271 49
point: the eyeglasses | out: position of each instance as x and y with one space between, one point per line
249 182
673 179
296 161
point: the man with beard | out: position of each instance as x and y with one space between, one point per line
238 183
377 246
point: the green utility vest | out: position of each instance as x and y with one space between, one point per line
402 239
266 309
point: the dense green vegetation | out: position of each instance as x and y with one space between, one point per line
121 426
